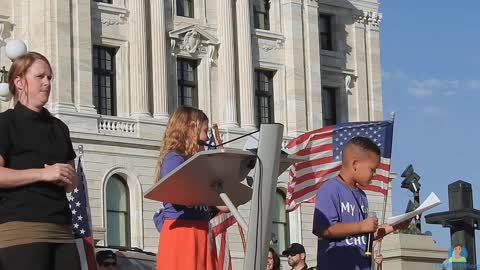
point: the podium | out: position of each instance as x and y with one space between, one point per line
196 181
210 178
214 178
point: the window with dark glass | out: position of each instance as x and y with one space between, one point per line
261 18
187 82
118 216
325 29
280 236
104 1
104 80
329 107
185 8
264 96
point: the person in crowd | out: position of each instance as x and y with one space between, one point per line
296 257
273 260
184 241
36 170
106 260
340 219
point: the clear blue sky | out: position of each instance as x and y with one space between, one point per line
431 79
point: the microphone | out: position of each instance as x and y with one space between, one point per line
204 143
370 238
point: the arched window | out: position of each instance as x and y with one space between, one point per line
280 237
118 216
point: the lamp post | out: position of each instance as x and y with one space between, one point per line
462 219
411 182
13 49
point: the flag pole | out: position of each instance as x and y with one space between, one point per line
80 168
385 200
80 150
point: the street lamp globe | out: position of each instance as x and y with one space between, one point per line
15 48
5 94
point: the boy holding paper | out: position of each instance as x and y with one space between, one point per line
340 220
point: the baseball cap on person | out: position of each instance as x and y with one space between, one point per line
104 255
294 249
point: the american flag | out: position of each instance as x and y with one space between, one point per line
78 200
323 147
218 229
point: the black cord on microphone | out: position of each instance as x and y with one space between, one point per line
369 246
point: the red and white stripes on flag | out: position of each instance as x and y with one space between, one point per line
218 229
86 252
323 147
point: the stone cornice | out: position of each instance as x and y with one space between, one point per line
117 15
268 35
110 8
370 5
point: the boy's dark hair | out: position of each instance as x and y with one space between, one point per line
365 144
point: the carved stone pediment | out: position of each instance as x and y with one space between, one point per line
193 40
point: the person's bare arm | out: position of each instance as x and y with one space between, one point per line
223 209
74 181
378 261
386 229
341 230
10 178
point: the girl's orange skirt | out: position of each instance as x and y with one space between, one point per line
184 244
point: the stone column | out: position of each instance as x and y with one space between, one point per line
313 73
368 86
226 65
294 67
56 35
138 59
159 62
360 111
375 69
82 56
245 65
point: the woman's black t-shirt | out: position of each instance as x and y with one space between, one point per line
29 140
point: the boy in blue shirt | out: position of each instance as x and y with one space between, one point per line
340 220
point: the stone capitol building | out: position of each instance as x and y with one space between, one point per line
122 66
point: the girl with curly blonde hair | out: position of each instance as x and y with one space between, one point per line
184 242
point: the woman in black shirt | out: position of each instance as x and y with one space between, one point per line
36 169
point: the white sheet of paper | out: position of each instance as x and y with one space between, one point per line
431 201
252 141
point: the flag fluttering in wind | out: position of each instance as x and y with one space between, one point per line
323 147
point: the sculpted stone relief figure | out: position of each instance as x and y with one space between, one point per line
191 40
